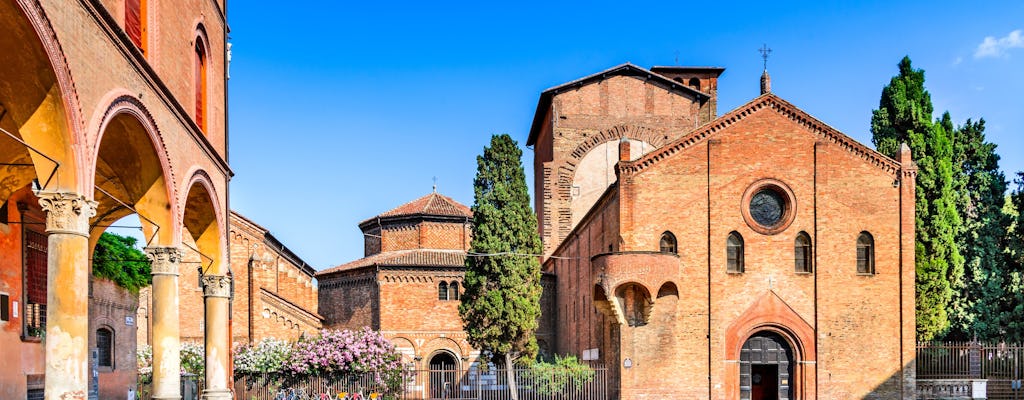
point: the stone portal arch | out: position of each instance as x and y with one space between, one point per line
771 316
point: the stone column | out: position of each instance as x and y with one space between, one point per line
67 294
166 326
217 293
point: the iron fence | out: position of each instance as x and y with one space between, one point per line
961 364
436 384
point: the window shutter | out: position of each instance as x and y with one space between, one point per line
133 21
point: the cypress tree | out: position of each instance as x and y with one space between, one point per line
904 115
981 305
1014 324
502 285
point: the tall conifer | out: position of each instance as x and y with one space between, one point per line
502 300
1014 324
982 305
905 115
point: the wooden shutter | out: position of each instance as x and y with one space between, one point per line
133 21
200 83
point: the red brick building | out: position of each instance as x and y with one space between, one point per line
409 282
759 254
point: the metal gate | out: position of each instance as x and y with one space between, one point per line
952 370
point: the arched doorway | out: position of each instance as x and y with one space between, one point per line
444 374
766 367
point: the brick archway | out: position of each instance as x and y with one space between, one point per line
771 314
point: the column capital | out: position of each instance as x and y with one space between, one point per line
67 212
164 260
216 286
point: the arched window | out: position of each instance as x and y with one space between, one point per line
802 253
668 243
454 290
442 291
734 253
105 347
865 254
135 22
695 84
200 83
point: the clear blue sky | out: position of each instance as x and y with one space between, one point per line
342 110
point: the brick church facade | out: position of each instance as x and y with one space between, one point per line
759 254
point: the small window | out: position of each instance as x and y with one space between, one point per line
453 289
442 291
695 84
105 347
865 254
668 243
734 253
802 253
5 307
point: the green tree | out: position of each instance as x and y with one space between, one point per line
117 259
1014 324
981 306
501 303
904 115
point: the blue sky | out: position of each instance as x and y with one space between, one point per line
342 110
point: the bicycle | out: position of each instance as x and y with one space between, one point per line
290 394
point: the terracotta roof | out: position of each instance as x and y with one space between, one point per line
405 258
431 204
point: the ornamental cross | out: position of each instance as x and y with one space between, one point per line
765 52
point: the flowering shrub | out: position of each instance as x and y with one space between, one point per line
345 351
144 358
266 357
192 355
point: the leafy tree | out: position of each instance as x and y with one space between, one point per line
502 300
904 115
117 259
1015 266
981 305
552 379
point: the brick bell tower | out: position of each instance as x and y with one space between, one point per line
577 127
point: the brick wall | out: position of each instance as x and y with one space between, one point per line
350 300
109 306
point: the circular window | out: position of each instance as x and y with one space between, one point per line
768 206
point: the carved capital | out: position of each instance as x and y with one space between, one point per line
216 286
164 260
67 212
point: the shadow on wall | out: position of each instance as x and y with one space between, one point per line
890 389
